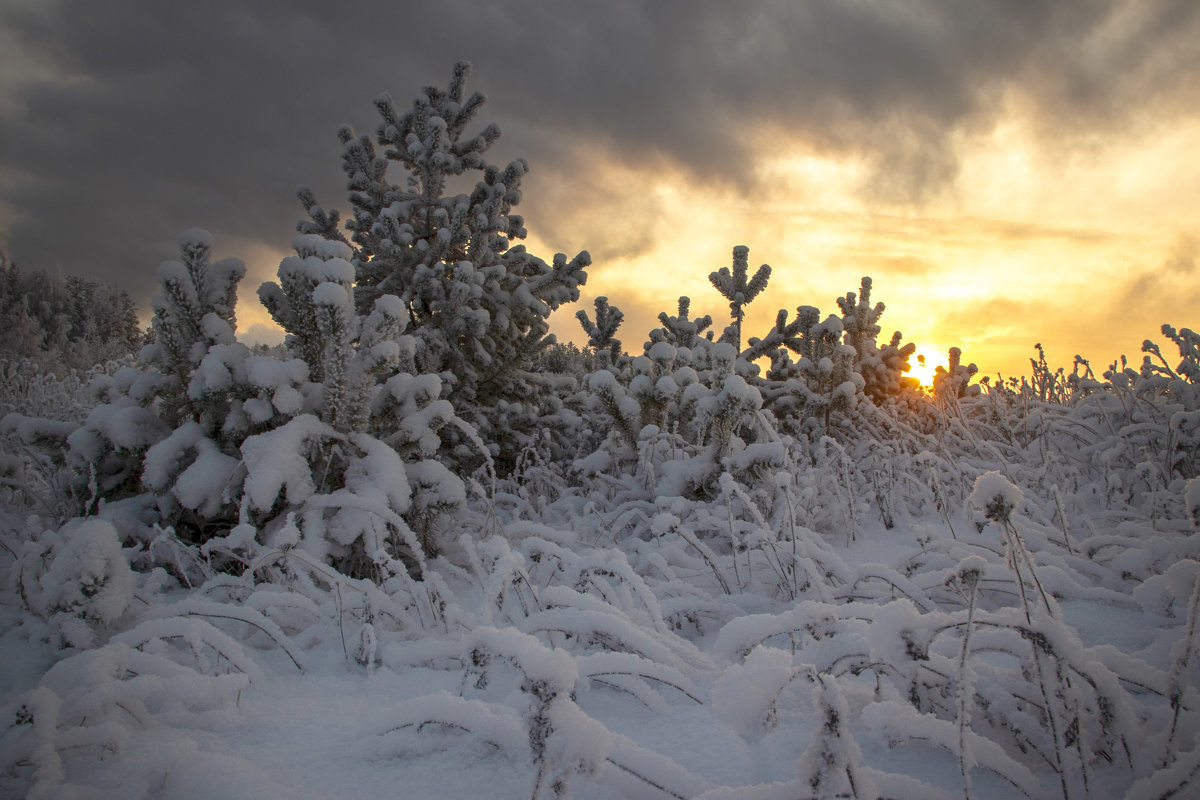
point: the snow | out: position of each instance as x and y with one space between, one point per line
88 582
195 237
378 474
214 373
995 495
331 294
173 272
203 485
275 462
164 460
745 694
126 427
313 245
319 730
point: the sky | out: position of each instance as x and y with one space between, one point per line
1007 172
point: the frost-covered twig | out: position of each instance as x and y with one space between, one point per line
1181 660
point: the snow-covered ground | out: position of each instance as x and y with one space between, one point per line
632 684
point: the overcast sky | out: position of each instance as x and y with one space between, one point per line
1008 172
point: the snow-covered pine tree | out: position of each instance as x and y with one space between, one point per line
679 330
176 384
476 303
602 332
228 446
860 320
682 414
803 393
363 390
739 290
954 380
882 368
193 312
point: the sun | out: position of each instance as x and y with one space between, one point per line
922 367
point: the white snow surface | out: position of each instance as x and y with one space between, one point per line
448 713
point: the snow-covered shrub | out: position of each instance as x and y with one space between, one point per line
182 377
372 404
119 705
676 413
27 389
193 312
688 409
33 468
680 418
1175 394
225 439
77 579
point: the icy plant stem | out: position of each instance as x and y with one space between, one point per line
1017 552
1084 770
853 514
339 605
1062 518
786 580
941 502
709 557
1014 564
964 692
1179 668
733 544
1051 722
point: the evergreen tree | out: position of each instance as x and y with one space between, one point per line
476 303
679 330
954 380
823 380
193 312
883 368
229 444
602 332
739 290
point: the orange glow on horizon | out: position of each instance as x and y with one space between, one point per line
1088 252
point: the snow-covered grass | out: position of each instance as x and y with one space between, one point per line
560 655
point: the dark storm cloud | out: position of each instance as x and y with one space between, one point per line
136 119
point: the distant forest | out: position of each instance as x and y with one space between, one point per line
64 323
